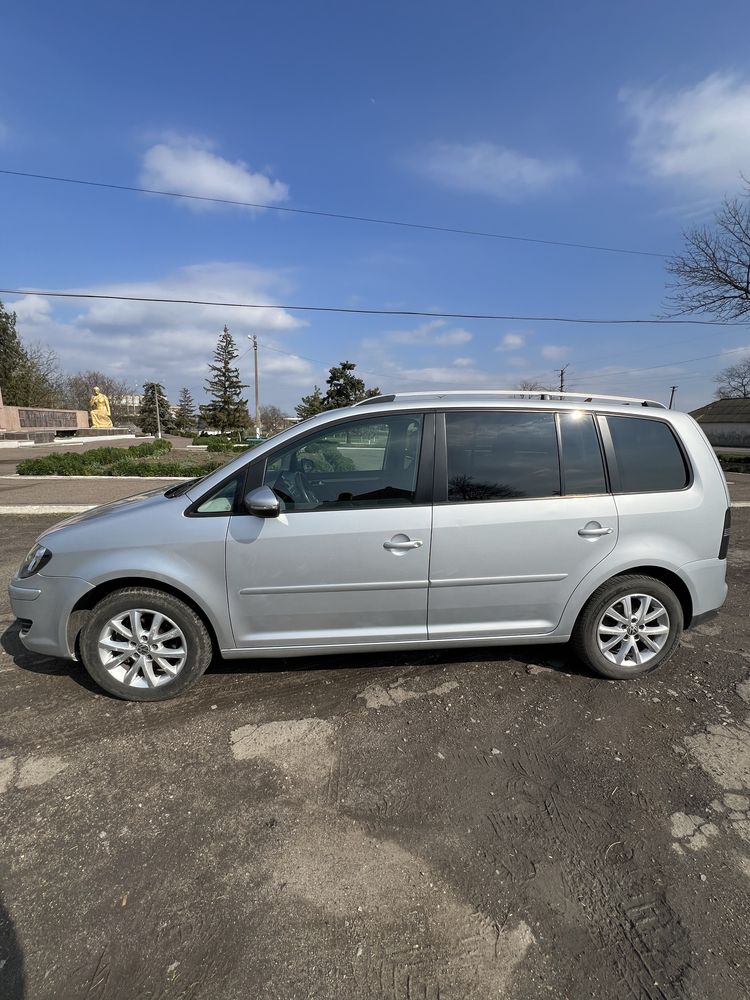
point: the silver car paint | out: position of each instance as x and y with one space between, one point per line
322 579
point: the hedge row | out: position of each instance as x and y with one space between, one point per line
147 459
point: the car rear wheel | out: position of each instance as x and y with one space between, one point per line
143 644
629 626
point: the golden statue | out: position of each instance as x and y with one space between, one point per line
99 407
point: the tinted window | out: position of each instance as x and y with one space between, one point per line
583 467
501 455
648 456
360 463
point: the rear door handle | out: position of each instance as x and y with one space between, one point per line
408 544
594 531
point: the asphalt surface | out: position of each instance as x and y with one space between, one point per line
435 826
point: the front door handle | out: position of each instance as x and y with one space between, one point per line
400 546
593 530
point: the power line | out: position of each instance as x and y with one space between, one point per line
667 364
332 215
371 312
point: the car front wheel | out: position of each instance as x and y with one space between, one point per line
629 626
143 644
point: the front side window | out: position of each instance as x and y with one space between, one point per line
501 455
359 463
648 457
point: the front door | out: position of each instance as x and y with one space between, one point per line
346 562
520 521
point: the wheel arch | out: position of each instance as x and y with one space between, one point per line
661 573
86 604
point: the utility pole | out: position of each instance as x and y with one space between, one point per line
562 377
257 386
158 417
671 398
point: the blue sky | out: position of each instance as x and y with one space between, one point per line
614 124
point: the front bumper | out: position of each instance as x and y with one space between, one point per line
44 603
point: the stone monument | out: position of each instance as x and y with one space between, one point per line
99 409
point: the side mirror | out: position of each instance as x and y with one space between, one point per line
263 502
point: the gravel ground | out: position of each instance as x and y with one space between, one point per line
447 826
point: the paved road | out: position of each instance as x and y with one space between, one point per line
458 825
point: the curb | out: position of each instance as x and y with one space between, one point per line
110 479
46 508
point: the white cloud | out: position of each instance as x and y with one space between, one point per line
432 333
697 137
138 341
512 342
486 168
188 165
462 374
555 352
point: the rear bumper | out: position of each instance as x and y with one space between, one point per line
43 604
705 617
706 581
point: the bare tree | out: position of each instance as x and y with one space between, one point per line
712 274
272 420
734 382
77 389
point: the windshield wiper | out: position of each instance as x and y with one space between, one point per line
181 488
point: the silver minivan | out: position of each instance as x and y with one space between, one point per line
409 521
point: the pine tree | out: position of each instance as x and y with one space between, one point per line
186 417
12 355
29 376
344 388
310 405
153 392
226 410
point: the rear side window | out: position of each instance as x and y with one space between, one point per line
583 467
649 460
504 455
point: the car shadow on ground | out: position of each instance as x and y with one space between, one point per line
557 658
12 975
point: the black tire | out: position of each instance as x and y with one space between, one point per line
195 641
584 639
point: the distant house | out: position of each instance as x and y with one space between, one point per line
726 422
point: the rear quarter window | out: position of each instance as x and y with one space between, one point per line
649 459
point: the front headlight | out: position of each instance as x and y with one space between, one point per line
37 558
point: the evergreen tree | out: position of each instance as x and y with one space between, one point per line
12 357
29 375
310 405
226 410
186 417
344 388
153 392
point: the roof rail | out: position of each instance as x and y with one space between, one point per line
586 397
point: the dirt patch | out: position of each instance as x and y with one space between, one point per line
377 696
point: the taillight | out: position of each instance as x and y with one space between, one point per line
725 534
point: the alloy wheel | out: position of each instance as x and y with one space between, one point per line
633 630
142 648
